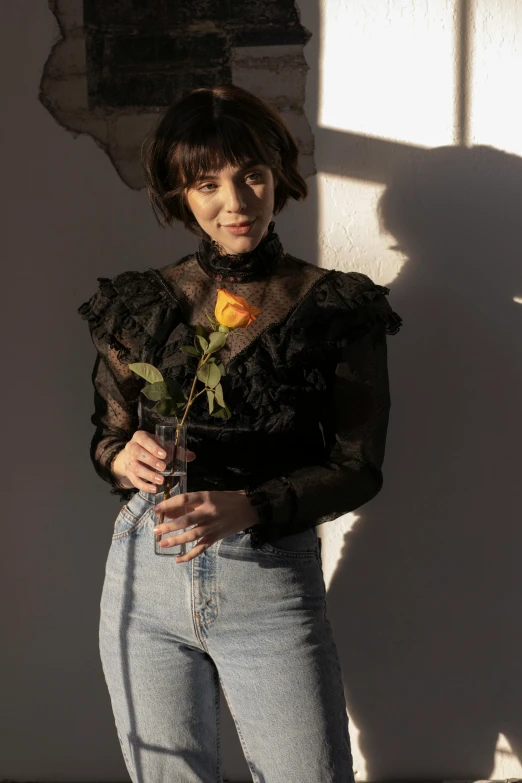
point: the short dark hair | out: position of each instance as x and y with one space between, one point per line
206 130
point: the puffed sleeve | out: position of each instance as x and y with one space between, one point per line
354 423
128 318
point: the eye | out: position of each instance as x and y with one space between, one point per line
253 176
208 187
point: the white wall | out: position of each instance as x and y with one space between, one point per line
424 581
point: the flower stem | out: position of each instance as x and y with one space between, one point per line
167 486
204 359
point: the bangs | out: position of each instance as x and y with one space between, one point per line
214 145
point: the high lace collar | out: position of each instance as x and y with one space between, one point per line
241 267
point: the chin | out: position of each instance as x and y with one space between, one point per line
242 244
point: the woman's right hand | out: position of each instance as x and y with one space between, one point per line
134 465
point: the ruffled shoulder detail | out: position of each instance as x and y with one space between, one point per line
133 313
362 305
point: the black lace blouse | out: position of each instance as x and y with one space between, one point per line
306 382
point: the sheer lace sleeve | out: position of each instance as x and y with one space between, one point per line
116 388
115 414
354 424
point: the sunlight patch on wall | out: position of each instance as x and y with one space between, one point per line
332 544
388 69
496 118
506 762
360 771
349 234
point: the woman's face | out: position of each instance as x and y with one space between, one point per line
234 205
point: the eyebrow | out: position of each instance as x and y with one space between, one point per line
213 174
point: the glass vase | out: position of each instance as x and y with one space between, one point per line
173 439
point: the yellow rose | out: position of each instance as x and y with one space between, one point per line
234 311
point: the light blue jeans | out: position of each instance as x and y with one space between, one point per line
254 620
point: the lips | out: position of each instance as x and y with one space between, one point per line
239 229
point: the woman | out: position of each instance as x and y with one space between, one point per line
307 386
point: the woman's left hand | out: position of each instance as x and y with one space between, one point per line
215 514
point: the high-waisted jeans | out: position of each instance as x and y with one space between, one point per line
254 620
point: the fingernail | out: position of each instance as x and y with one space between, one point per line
156 530
162 453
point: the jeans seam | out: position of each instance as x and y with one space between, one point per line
320 560
130 767
250 763
193 610
218 726
268 549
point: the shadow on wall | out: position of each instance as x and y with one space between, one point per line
426 598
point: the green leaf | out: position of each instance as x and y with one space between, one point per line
156 391
217 340
209 375
147 371
223 413
221 367
219 395
162 407
200 330
210 396
175 390
190 350
202 342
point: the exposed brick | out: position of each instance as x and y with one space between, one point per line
156 70
252 15
162 38
122 61
166 51
268 35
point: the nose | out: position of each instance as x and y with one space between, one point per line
234 198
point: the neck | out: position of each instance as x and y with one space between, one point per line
255 264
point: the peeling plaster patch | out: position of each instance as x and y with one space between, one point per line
117 66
